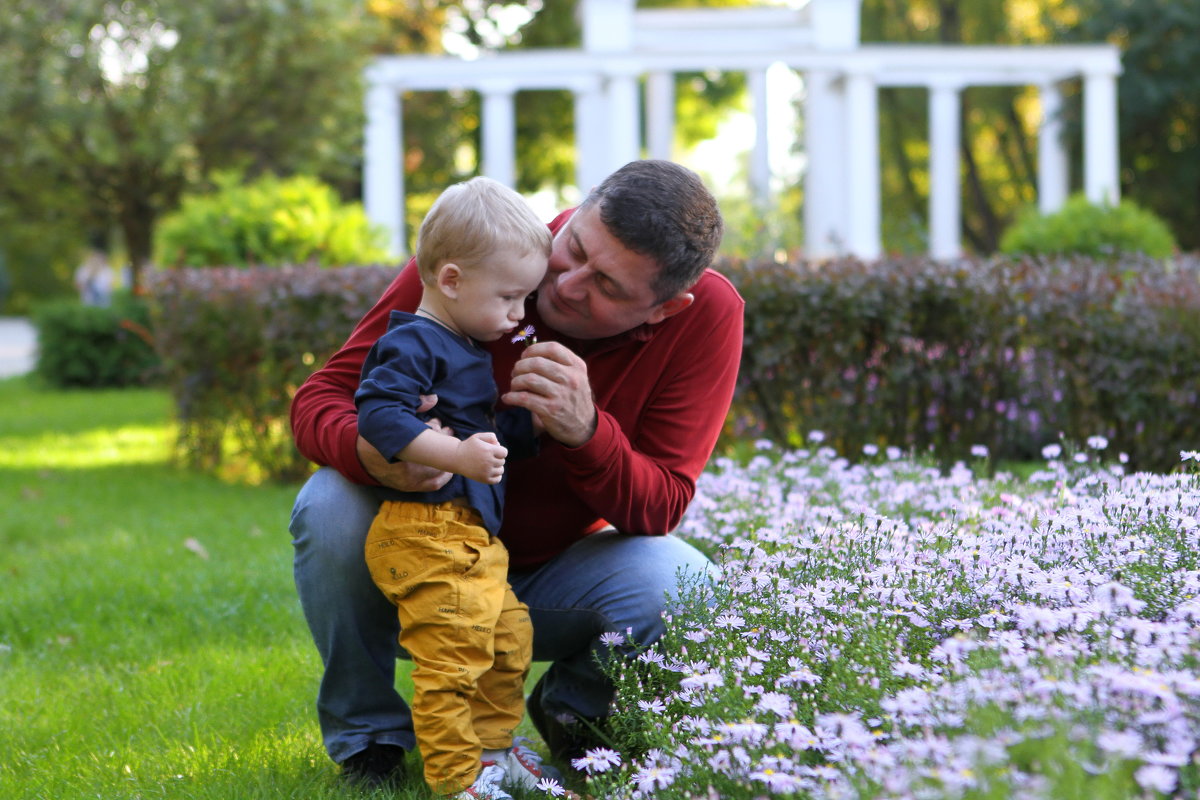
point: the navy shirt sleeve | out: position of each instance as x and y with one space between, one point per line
401 367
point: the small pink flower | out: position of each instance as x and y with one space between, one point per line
525 335
551 787
600 759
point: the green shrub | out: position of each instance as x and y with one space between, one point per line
270 222
5 281
752 231
1006 353
40 258
1083 228
95 346
237 343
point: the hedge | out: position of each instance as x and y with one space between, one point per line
83 346
1010 353
237 343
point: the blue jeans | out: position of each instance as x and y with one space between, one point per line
605 582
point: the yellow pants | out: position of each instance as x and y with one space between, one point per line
470 639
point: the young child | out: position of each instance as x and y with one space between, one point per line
481 250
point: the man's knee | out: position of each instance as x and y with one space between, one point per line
660 570
665 566
331 517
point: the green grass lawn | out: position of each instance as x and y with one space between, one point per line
151 642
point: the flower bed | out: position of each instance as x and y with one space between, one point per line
889 630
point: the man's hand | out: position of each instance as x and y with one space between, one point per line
552 383
402 475
481 458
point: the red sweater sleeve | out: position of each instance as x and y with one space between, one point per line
324 419
639 470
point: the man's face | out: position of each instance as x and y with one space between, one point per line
595 287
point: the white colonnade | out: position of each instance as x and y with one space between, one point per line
842 78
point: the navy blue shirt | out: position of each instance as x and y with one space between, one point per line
418 357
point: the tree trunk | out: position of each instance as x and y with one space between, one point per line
987 237
894 119
137 228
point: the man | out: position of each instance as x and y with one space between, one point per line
632 376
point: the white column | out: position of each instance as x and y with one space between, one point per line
1101 158
624 121
660 114
945 206
1053 173
607 25
499 132
591 150
863 140
383 170
835 23
608 30
760 153
825 174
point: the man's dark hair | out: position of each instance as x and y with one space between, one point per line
662 210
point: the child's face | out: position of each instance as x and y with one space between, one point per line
491 296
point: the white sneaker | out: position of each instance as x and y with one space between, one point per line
522 766
486 785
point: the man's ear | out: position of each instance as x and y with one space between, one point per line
447 279
671 307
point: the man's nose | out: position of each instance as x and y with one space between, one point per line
570 282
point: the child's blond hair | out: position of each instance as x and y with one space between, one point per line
472 220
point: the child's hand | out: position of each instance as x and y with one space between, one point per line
481 458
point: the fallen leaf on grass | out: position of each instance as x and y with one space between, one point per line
195 546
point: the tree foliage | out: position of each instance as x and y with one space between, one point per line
1159 100
110 109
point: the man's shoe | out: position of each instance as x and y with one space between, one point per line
376 766
566 740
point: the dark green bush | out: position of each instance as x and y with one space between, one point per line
95 346
237 343
5 281
1007 353
40 258
269 222
1083 228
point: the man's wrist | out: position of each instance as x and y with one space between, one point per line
587 434
368 455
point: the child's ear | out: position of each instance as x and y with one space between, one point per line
447 280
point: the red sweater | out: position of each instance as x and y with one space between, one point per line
662 393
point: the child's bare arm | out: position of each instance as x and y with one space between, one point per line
480 458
